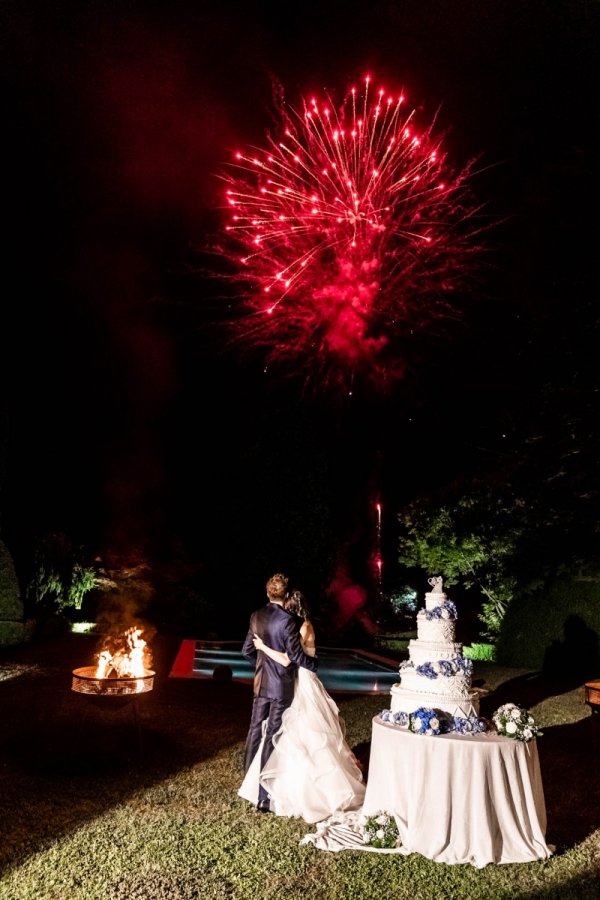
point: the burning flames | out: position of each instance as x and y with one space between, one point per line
124 657
123 667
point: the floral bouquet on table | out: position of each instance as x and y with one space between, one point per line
471 724
425 721
400 719
515 722
380 830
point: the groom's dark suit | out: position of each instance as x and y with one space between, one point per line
273 683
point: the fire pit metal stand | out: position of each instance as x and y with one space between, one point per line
112 692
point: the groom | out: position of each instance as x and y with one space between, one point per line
273 683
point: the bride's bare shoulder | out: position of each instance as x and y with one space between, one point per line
307 632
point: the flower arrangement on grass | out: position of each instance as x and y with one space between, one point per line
425 721
446 610
515 722
381 831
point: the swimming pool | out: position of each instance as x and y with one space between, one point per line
340 669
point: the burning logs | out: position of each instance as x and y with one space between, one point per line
122 669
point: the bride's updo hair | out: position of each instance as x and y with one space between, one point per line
296 603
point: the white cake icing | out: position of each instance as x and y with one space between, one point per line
436 630
433 599
409 701
437 650
430 651
458 686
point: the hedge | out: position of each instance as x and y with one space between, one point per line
553 629
12 628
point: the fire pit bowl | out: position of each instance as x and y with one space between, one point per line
86 682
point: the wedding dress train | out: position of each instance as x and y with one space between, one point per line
312 772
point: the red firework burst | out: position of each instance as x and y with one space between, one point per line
350 231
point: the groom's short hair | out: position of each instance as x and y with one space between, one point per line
277 587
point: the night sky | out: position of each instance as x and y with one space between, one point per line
128 420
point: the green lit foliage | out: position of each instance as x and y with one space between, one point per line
61 578
404 601
473 540
480 652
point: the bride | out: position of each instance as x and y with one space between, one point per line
312 771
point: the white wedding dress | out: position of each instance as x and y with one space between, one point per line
312 772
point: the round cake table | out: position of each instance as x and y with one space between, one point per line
459 799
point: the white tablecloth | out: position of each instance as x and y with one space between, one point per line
458 799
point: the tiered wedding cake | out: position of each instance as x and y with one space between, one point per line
436 675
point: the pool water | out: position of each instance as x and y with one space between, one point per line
340 669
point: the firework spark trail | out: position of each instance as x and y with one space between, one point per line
353 231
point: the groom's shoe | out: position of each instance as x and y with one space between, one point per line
264 806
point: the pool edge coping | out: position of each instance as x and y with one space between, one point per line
188 646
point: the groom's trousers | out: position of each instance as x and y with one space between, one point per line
271 711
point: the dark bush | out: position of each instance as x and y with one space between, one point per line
555 629
12 627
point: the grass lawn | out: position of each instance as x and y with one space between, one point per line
87 813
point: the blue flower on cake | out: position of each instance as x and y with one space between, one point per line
446 667
425 721
446 610
427 669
